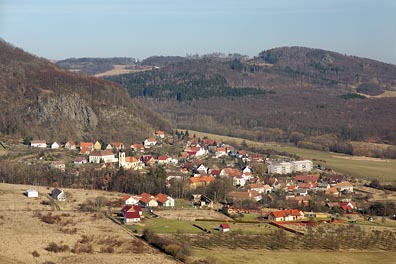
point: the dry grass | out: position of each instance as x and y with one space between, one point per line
223 255
120 69
22 233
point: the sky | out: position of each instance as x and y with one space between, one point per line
58 29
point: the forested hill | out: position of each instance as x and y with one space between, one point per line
40 100
311 97
315 66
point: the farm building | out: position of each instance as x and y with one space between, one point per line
224 228
58 194
131 217
32 193
286 215
38 143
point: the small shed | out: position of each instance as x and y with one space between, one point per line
58 194
224 228
32 193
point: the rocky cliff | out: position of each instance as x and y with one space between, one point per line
40 100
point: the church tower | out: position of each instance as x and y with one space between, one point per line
121 159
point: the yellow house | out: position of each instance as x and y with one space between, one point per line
97 146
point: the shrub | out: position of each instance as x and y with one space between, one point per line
53 247
82 248
107 249
35 254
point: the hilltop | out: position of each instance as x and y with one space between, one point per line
314 98
44 101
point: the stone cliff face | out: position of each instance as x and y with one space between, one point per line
53 110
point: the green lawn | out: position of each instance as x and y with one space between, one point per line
165 226
224 255
365 169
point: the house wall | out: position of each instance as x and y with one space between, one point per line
106 159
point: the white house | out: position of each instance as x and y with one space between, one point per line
58 194
130 200
238 181
31 193
302 165
150 142
131 217
105 156
70 145
38 143
344 186
54 145
165 200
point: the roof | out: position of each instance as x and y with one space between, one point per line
287 212
132 215
345 184
79 159
137 146
215 172
131 159
256 185
159 132
307 178
163 157
225 226
55 192
162 198
125 197
151 140
201 179
38 141
86 146
101 153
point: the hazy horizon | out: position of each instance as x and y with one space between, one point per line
62 29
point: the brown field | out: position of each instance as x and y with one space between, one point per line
361 158
377 195
224 255
120 69
22 232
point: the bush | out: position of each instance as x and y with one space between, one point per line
82 248
35 254
53 247
50 219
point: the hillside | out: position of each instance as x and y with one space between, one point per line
307 96
43 101
93 66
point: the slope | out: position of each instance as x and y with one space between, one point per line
40 100
307 96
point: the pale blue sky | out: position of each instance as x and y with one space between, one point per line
58 29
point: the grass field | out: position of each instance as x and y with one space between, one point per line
362 168
222 255
22 231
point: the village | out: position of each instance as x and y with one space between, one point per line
181 191
252 182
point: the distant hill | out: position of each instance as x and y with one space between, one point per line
311 97
162 60
92 66
43 101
